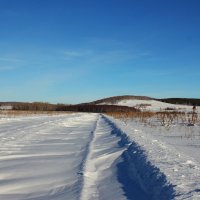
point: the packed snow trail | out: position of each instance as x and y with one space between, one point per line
103 167
75 157
85 156
98 175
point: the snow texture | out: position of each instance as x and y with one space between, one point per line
164 162
93 157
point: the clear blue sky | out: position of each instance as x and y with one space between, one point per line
74 51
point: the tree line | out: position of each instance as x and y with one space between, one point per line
42 106
184 101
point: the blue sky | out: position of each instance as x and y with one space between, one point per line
71 51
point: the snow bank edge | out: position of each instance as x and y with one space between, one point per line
141 170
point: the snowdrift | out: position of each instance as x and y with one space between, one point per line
141 170
161 169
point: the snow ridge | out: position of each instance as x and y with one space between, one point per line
124 138
141 170
85 167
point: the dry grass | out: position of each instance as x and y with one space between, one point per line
165 118
13 113
125 116
183 124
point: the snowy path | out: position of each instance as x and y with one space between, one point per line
76 157
87 157
104 174
61 157
100 171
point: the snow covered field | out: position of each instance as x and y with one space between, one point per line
85 156
153 105
159 156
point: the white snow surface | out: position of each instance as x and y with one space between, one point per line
153 105
40 156
60 157
5 107
85 156
172 153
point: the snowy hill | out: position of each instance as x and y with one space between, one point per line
114 100
144 103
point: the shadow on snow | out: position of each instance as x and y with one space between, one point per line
140 179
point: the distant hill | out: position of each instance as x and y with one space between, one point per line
116 99
148 103
116 103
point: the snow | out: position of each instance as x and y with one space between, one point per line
98 171
41 155
5 107
84 156
171 153
153 105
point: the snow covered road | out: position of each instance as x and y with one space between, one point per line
85 156
101 173
72 156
